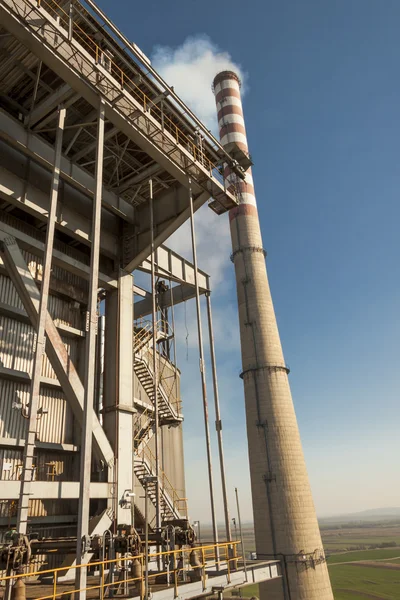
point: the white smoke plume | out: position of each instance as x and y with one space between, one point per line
190 69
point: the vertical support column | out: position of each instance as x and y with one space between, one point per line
203 375
89 377
155 358
23 506
218 422
118 389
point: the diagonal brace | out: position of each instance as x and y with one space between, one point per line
55 349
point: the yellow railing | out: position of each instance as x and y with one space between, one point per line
179 504
124 81
131 574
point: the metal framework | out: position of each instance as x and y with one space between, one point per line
101 163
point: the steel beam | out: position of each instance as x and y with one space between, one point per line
170 212
50 446
57 490
90 365
59 258
26 477
32 146
92 146
180 293
33 200
49 105
55 349
172 266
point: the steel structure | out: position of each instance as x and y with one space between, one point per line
100 163
285 522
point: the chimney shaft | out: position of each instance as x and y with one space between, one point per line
285 522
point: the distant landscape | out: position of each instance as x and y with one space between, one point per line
362 549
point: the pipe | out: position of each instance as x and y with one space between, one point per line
218 422
89 376
241 533
203 375
155 373
26 477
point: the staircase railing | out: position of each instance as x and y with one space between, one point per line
144 352
179 505
140 429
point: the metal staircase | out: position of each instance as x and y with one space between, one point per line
172 506
168 405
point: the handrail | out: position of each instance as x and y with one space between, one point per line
147 413
144 352
124 81
223 553
147 455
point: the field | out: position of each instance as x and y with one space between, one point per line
359 570
352 582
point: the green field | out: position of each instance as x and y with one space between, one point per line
379 554
352 582
343 543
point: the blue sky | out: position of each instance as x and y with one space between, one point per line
322 113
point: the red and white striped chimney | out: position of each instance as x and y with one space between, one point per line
285 522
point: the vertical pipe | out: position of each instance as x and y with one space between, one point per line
26 478
100 368
70 19
89 376
174 346
203 373
218 422
146 543
241 533
155 373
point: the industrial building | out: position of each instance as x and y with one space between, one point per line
101 162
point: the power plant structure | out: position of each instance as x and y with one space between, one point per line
285 522
101 162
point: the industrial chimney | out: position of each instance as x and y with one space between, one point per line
285 522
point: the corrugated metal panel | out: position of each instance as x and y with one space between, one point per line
12 424
8 293
16 347
47 466
16 343
63 310
10 465
56 426
54 467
